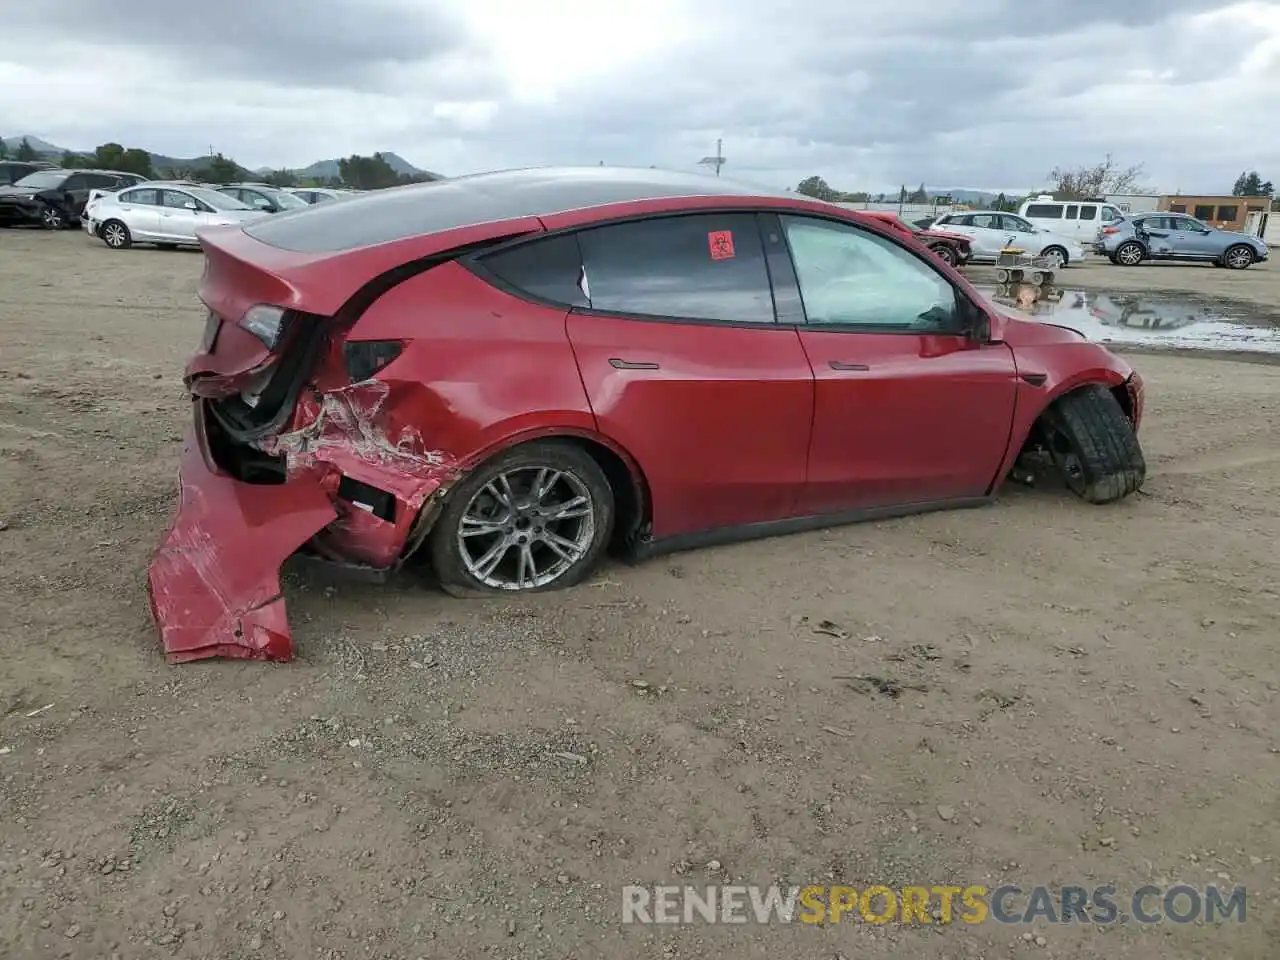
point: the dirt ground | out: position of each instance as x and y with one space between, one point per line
1087 695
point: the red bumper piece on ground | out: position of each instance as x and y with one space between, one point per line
215 580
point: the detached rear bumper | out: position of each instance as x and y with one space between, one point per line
214 582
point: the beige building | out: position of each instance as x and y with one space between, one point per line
1226 213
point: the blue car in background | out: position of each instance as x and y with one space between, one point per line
1173 236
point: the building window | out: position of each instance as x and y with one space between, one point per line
1204 211
1228 213
1177 208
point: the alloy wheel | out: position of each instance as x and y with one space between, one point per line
1239 257
114 235
51 217
1130 254
526 528
1054 259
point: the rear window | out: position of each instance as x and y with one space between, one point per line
1044 211
548 269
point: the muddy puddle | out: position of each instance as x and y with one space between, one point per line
1141 319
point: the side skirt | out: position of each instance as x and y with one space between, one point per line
648 547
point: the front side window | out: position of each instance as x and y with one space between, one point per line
849 277
699 267
1186 223
179 201
1016 224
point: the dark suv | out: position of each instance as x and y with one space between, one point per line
11 171
56 197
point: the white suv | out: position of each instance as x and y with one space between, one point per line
1079 219
990 231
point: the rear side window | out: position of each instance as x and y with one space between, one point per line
697 267
1088 211
147 196
1044 211
548 269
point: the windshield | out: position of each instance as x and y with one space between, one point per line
42 180
219 201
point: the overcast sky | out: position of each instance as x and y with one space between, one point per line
869 94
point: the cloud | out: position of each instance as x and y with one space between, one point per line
868 94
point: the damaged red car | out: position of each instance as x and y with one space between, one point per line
509 374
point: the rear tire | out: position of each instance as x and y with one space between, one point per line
1057 253
1094 445
1129 254
115 235
494 512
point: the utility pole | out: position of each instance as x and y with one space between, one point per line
718 160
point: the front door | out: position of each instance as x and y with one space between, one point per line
179 216
908 409
686 367
1192 239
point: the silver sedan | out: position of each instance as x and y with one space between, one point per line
165 214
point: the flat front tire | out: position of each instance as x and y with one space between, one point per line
1094 446
537 517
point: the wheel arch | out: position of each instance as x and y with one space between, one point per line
632 498
1027 423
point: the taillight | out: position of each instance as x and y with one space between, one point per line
364 358
1110 230
266 323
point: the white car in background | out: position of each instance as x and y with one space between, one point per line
992 230
167 214
315 195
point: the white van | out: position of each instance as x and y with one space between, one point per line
1078 219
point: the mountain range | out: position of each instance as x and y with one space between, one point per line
320 170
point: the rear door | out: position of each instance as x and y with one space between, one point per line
686 366
908 409
1156 232
989 236
140 208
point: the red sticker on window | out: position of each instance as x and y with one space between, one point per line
721 244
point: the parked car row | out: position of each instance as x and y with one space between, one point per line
55 197
168 213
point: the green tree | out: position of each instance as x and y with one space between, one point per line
112 156
222 170
368 173
4 149
70 161
26 151
817 188
1249 184
282 178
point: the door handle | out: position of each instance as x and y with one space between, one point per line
631 364
842 365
